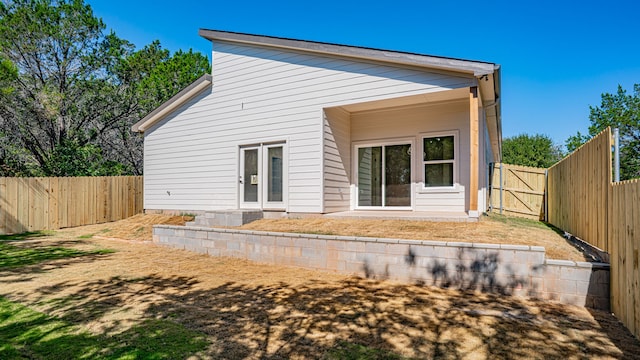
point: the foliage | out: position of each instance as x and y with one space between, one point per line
622 111
530 150
27 334
69 93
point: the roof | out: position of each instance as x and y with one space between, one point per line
177 100
477 68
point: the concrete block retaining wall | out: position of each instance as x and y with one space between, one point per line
508 269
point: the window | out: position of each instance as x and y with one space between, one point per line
439 156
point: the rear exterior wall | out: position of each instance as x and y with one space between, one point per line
263 95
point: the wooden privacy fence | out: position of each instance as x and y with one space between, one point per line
522 190
624 234
30 204
583 201
578 191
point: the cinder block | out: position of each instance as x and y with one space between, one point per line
356 246
213 252
266 240
347 255
282 241
191 234
486 246
459 244
561 286
472 253
397 249
386 240
372 247
314 253
388 259
514 247
433 243
317 243
575 273
336 245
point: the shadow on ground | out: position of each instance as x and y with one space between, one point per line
281 321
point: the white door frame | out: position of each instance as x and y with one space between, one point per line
262 177
242 180
383 143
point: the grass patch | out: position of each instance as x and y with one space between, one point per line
27 334
86 236
30 235
15 256
348 351
517 221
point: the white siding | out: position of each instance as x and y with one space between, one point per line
258 95
413 122
337 160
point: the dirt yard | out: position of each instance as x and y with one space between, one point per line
254 311
493 229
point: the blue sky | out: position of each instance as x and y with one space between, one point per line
557 57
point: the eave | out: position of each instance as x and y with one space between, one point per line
172 104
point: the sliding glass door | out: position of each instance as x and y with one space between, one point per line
384 175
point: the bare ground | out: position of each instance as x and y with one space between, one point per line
492 229
253 311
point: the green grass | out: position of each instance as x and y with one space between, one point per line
27 334
349 351
517 221
27 235
12 256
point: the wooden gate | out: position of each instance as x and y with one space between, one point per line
522 191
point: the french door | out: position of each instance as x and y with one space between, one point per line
384 176
261 177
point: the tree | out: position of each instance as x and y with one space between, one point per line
621 111
69 93
530 150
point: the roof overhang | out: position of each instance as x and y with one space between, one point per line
477 68
172 104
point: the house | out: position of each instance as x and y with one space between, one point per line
289 126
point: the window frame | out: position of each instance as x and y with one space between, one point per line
455 161
383 143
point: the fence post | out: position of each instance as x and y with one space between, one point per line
501 188
616 155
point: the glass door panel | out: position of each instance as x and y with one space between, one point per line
251 178
274 174
384 176
370 176
397 175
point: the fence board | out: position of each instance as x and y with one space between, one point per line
624 230
522 191
31 204
577 191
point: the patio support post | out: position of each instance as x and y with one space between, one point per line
474 150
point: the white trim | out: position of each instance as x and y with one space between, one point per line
172 104
262 202
382 143
456 162
242 181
